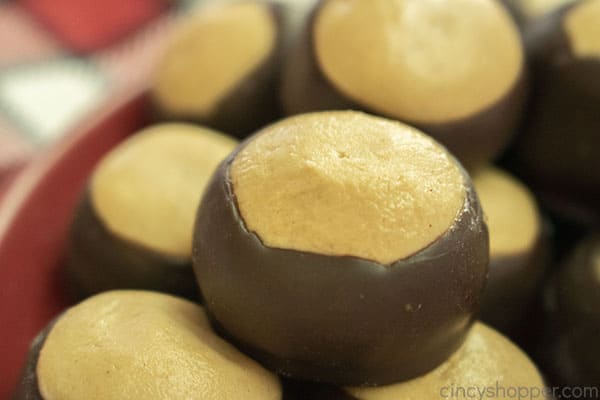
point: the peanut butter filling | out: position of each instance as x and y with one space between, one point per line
148 189
347 184
145 345
583 29
211 54
427 61
485 360
511 212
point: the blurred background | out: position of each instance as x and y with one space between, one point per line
63 61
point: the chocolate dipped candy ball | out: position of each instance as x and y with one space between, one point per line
133 226
518 248
487 362
341 247
574 304
139 345
220 67
454 69
556 152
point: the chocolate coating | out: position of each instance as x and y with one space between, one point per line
300 390
337 319
485 360
527 11
562 366
555 153
573 304
474 140
99 260
27 388
512 287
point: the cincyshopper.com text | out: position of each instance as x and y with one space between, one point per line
499 391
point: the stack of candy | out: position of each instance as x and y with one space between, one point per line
405 205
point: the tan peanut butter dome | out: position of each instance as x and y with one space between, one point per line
426 61
147 190
347 184
486 360
214 50
582 25
510 210
145 345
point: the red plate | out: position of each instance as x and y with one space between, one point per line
34 218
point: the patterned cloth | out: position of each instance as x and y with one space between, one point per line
61 61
